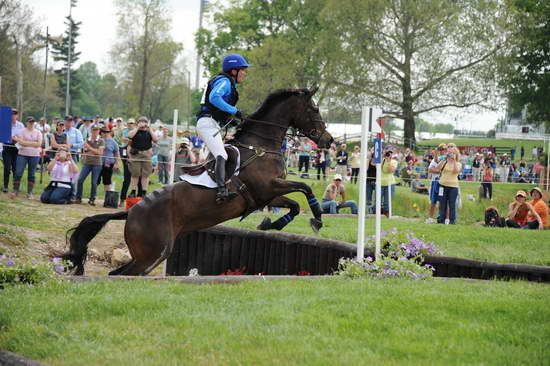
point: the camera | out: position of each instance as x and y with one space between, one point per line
450 155
63 154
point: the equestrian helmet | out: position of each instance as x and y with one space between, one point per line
234 61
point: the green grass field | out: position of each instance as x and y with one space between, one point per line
321 322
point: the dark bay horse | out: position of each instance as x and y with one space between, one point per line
154 223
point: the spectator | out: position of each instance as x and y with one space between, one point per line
342 161
75 138
303 159
537 169
540 207
355 163
389 166
332 191
184 156
141 151
513 153
59 140
435 171
124 154
91 163
29 142
519 218
9 152
43 126
535 153
164 144
487 181
417 186
62 170
407 173
522 153
477 167
321 163
84 128
111 156
504 168
448 186
371 178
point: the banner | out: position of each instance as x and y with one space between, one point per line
5 124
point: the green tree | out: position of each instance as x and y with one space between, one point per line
527 74
410 57
60 52
281 38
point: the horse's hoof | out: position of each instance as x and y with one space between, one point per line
316 224
265 224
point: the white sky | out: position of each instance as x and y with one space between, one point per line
98 34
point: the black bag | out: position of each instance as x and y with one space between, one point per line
111 199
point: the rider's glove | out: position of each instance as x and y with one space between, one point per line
239 115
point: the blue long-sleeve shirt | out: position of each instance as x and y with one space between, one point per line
221 90
75 139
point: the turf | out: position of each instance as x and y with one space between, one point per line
319 322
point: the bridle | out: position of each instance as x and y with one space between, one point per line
314 132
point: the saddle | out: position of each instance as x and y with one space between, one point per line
209 164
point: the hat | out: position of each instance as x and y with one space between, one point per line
442 146
131 120
87 119
14 111
389 149
337 177
95 127
30 119
184 140
535 189
68 118
521 193
143 119
105 130
97 116
119 119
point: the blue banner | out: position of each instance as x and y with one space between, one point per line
5 124
377 150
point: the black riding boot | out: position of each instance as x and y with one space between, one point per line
223 193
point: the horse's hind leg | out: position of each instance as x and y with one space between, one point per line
280 223
121 270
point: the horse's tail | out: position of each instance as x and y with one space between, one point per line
82 234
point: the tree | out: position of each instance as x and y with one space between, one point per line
411 57
281 38
146 56
60 52
527 74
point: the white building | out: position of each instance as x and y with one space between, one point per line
516 127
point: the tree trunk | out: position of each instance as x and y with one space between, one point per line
145 64
19 77
409 128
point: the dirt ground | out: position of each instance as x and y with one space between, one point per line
34 230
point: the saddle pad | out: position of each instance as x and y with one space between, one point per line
204 180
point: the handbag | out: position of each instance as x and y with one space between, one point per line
111 199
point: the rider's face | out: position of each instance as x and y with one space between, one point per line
241 75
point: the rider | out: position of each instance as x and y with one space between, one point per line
217 107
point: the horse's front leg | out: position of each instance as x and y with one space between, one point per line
282 187
284 220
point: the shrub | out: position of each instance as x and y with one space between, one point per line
402 257
18 271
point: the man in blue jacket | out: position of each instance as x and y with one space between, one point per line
217 107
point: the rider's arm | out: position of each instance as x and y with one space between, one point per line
221 88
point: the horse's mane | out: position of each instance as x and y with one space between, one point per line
274 98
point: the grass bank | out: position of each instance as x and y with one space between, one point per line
329 321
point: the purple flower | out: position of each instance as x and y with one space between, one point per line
369 259
56 260
59 269
10 262
393 231
383 234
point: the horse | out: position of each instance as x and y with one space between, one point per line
153 224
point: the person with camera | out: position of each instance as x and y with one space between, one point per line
217 107
29 144
141 153
389 166
91 163
519 212
63 170
9 151
448 189
184 156
164 144
333 190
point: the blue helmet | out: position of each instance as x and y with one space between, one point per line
233 61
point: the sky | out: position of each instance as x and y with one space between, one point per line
98 34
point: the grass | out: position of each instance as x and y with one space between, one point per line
320 322
466 241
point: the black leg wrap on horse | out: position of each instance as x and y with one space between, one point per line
315 207
282 222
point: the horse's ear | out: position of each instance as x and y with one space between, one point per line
313 91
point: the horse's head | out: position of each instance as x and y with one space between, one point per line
309 120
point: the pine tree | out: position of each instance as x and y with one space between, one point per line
60 51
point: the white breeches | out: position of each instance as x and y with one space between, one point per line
206 128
